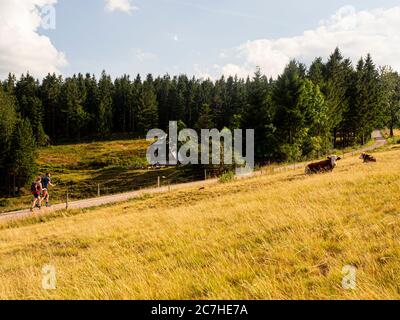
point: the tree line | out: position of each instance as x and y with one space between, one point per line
303 113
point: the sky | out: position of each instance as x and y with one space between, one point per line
205 38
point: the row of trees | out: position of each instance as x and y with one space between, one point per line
303 113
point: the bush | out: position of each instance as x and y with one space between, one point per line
5 203
227 177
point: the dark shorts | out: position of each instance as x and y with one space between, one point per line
36 195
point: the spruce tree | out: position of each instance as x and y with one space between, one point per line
259 115
9 84
367 99
181 98
30 106
72 104
137 88
8 118
390 98
50 91
205 120
219 104
124 108
316 72
22 158
103 114
163 87
148 107
335 88
289 117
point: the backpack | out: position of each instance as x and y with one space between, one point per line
34 187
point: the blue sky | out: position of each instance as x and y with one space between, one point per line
203 37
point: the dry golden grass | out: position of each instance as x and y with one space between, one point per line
281 236
115 166
82 154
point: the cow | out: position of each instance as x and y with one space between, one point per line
367 158
322 166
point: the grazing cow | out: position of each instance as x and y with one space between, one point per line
367 158
322 166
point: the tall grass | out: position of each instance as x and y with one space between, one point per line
226 177
281 236
80 169
396 136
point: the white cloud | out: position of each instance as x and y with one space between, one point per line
356 33
22 48
120 5
202 74
223 55
175 37
145 56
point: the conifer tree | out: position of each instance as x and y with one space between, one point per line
22 158
367 99
289 117
50 91
8 118
335 89
30 106
163 87
73 110
103 113
205 120
124 107
258 115
390 98
148 107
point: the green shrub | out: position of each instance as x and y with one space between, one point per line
5 203
227 177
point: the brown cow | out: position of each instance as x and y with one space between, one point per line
367 158
323 166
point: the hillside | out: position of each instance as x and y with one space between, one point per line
280 236
113 166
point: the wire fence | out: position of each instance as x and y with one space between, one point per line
65 192
67 189
68 192
74 190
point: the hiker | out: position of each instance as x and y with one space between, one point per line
36 190
46 182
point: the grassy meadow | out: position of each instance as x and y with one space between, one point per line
114 166
275 236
